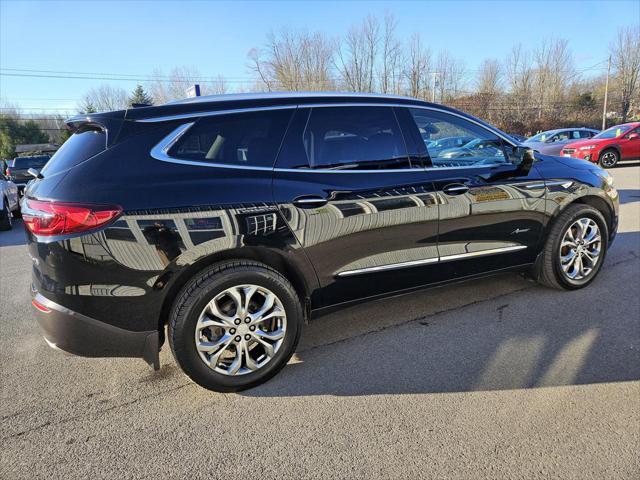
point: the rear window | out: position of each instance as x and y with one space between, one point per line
241 139
29 162
78 148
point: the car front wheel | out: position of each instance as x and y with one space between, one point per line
575 249
609 159
235 325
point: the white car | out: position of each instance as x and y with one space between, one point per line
9 202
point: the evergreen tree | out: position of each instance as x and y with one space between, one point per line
14 132
140 97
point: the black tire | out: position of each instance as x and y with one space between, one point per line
609 158
5 216
205 286
547 270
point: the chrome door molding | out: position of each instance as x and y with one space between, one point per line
426 261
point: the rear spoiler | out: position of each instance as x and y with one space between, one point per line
110 123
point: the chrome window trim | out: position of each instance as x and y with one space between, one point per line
160 151
212 113
446 258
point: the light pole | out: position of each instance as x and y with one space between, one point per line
606 93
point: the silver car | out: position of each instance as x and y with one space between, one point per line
9 202
552 141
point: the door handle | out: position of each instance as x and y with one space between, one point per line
455 189
310 201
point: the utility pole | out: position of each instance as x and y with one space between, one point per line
433 86
606 93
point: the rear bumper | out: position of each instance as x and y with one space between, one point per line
78 334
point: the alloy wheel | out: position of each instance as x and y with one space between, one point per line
240 330
580 249
609 159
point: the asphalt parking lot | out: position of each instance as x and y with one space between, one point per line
495 378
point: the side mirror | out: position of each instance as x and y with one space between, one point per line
523 158
34 173
633 136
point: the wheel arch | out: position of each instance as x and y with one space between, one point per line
611 147
594 201
302 284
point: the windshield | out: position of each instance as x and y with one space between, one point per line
613 132
541 137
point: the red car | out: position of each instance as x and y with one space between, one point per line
621 142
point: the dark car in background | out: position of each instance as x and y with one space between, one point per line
551 142
618 143
18 169
230 221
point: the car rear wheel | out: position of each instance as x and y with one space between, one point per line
575 249
5 217
609 158
235 325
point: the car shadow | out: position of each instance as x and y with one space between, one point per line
15 236
629 195
528 337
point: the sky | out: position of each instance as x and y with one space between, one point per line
135 38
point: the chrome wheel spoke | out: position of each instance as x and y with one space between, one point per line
237 361
234 294
214 310
248 295
249 361
273 336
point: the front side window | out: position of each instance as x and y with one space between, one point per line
478 145
240 139
351 138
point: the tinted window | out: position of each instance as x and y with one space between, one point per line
78 148
30 162
480 146
249 139
354 138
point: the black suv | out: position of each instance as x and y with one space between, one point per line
234 219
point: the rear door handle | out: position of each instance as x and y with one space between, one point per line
310 201
455 189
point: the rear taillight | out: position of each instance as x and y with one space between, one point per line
7 172
59 218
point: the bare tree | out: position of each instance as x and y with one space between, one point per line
451 73
519 75
625 57
417 68
294 61
553 70
356 59
390 71
104 98
490 77
165 88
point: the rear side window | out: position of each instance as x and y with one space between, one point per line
586 134
241 139
30 162
78 148
354 138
